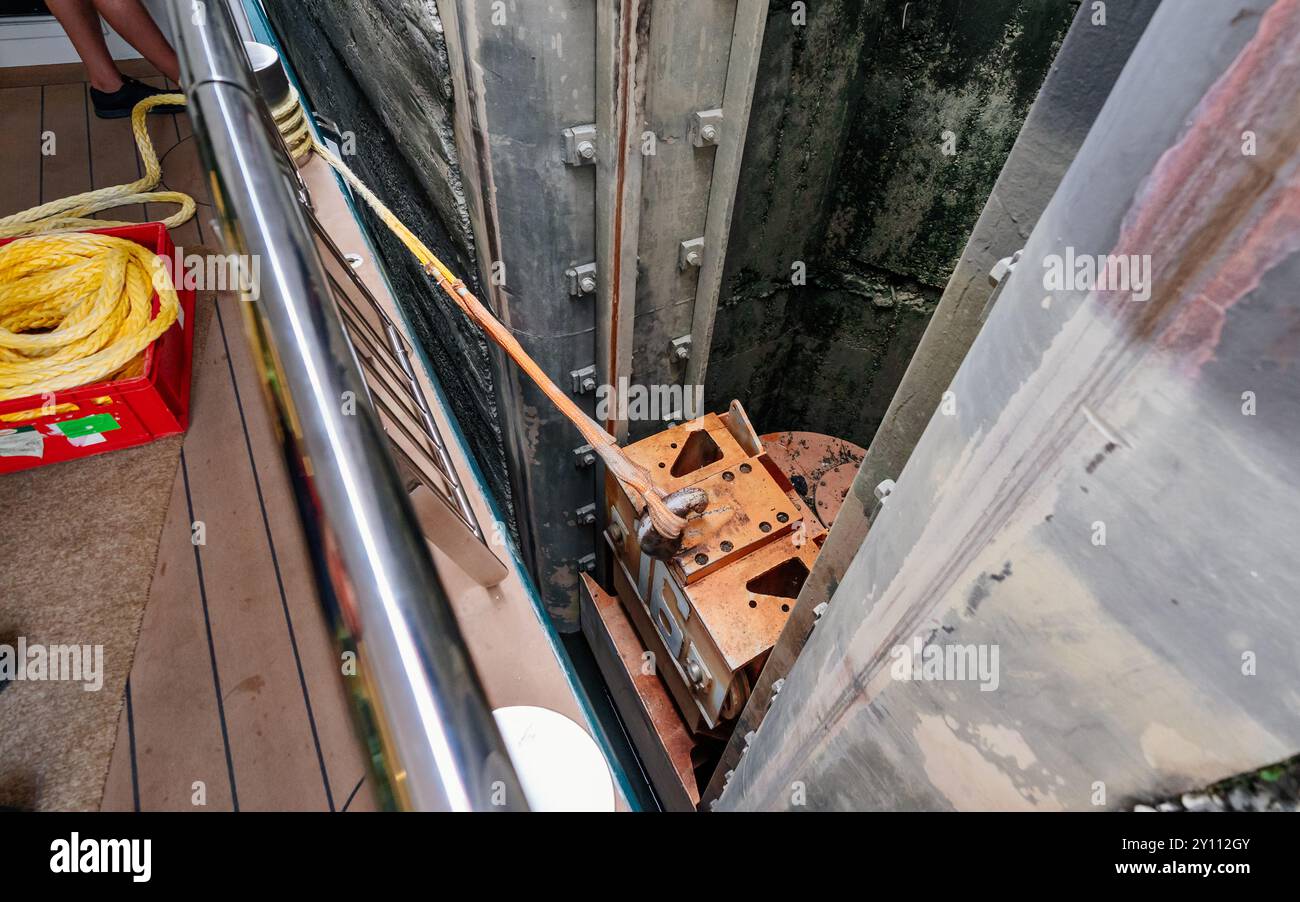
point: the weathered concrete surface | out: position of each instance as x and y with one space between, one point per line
379 69
1088 64
845 172
936 74
1079 82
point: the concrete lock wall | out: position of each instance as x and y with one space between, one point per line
877 132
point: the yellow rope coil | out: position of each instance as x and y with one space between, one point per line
77 308
291 119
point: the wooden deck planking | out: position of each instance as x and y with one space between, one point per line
121 788
191 177
322 689
172 710
20 147
216 614
181 171
66 74
113 160
67 170
271 736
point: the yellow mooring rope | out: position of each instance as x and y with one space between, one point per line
76 308
87 296
291 119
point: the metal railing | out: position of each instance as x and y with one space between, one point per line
419 702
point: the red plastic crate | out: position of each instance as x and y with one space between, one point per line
106 416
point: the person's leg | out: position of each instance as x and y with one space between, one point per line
115 96
132 21
81 22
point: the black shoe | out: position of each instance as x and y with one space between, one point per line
120 103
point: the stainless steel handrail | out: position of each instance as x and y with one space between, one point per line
419 702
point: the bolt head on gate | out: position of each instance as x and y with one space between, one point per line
583 380
580 145
705 128
682 348
582 279
690 253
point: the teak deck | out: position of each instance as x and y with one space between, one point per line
234 684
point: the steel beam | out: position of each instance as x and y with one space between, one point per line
523 73
620 104
742 65
574 127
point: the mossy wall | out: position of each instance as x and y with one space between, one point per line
877 132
